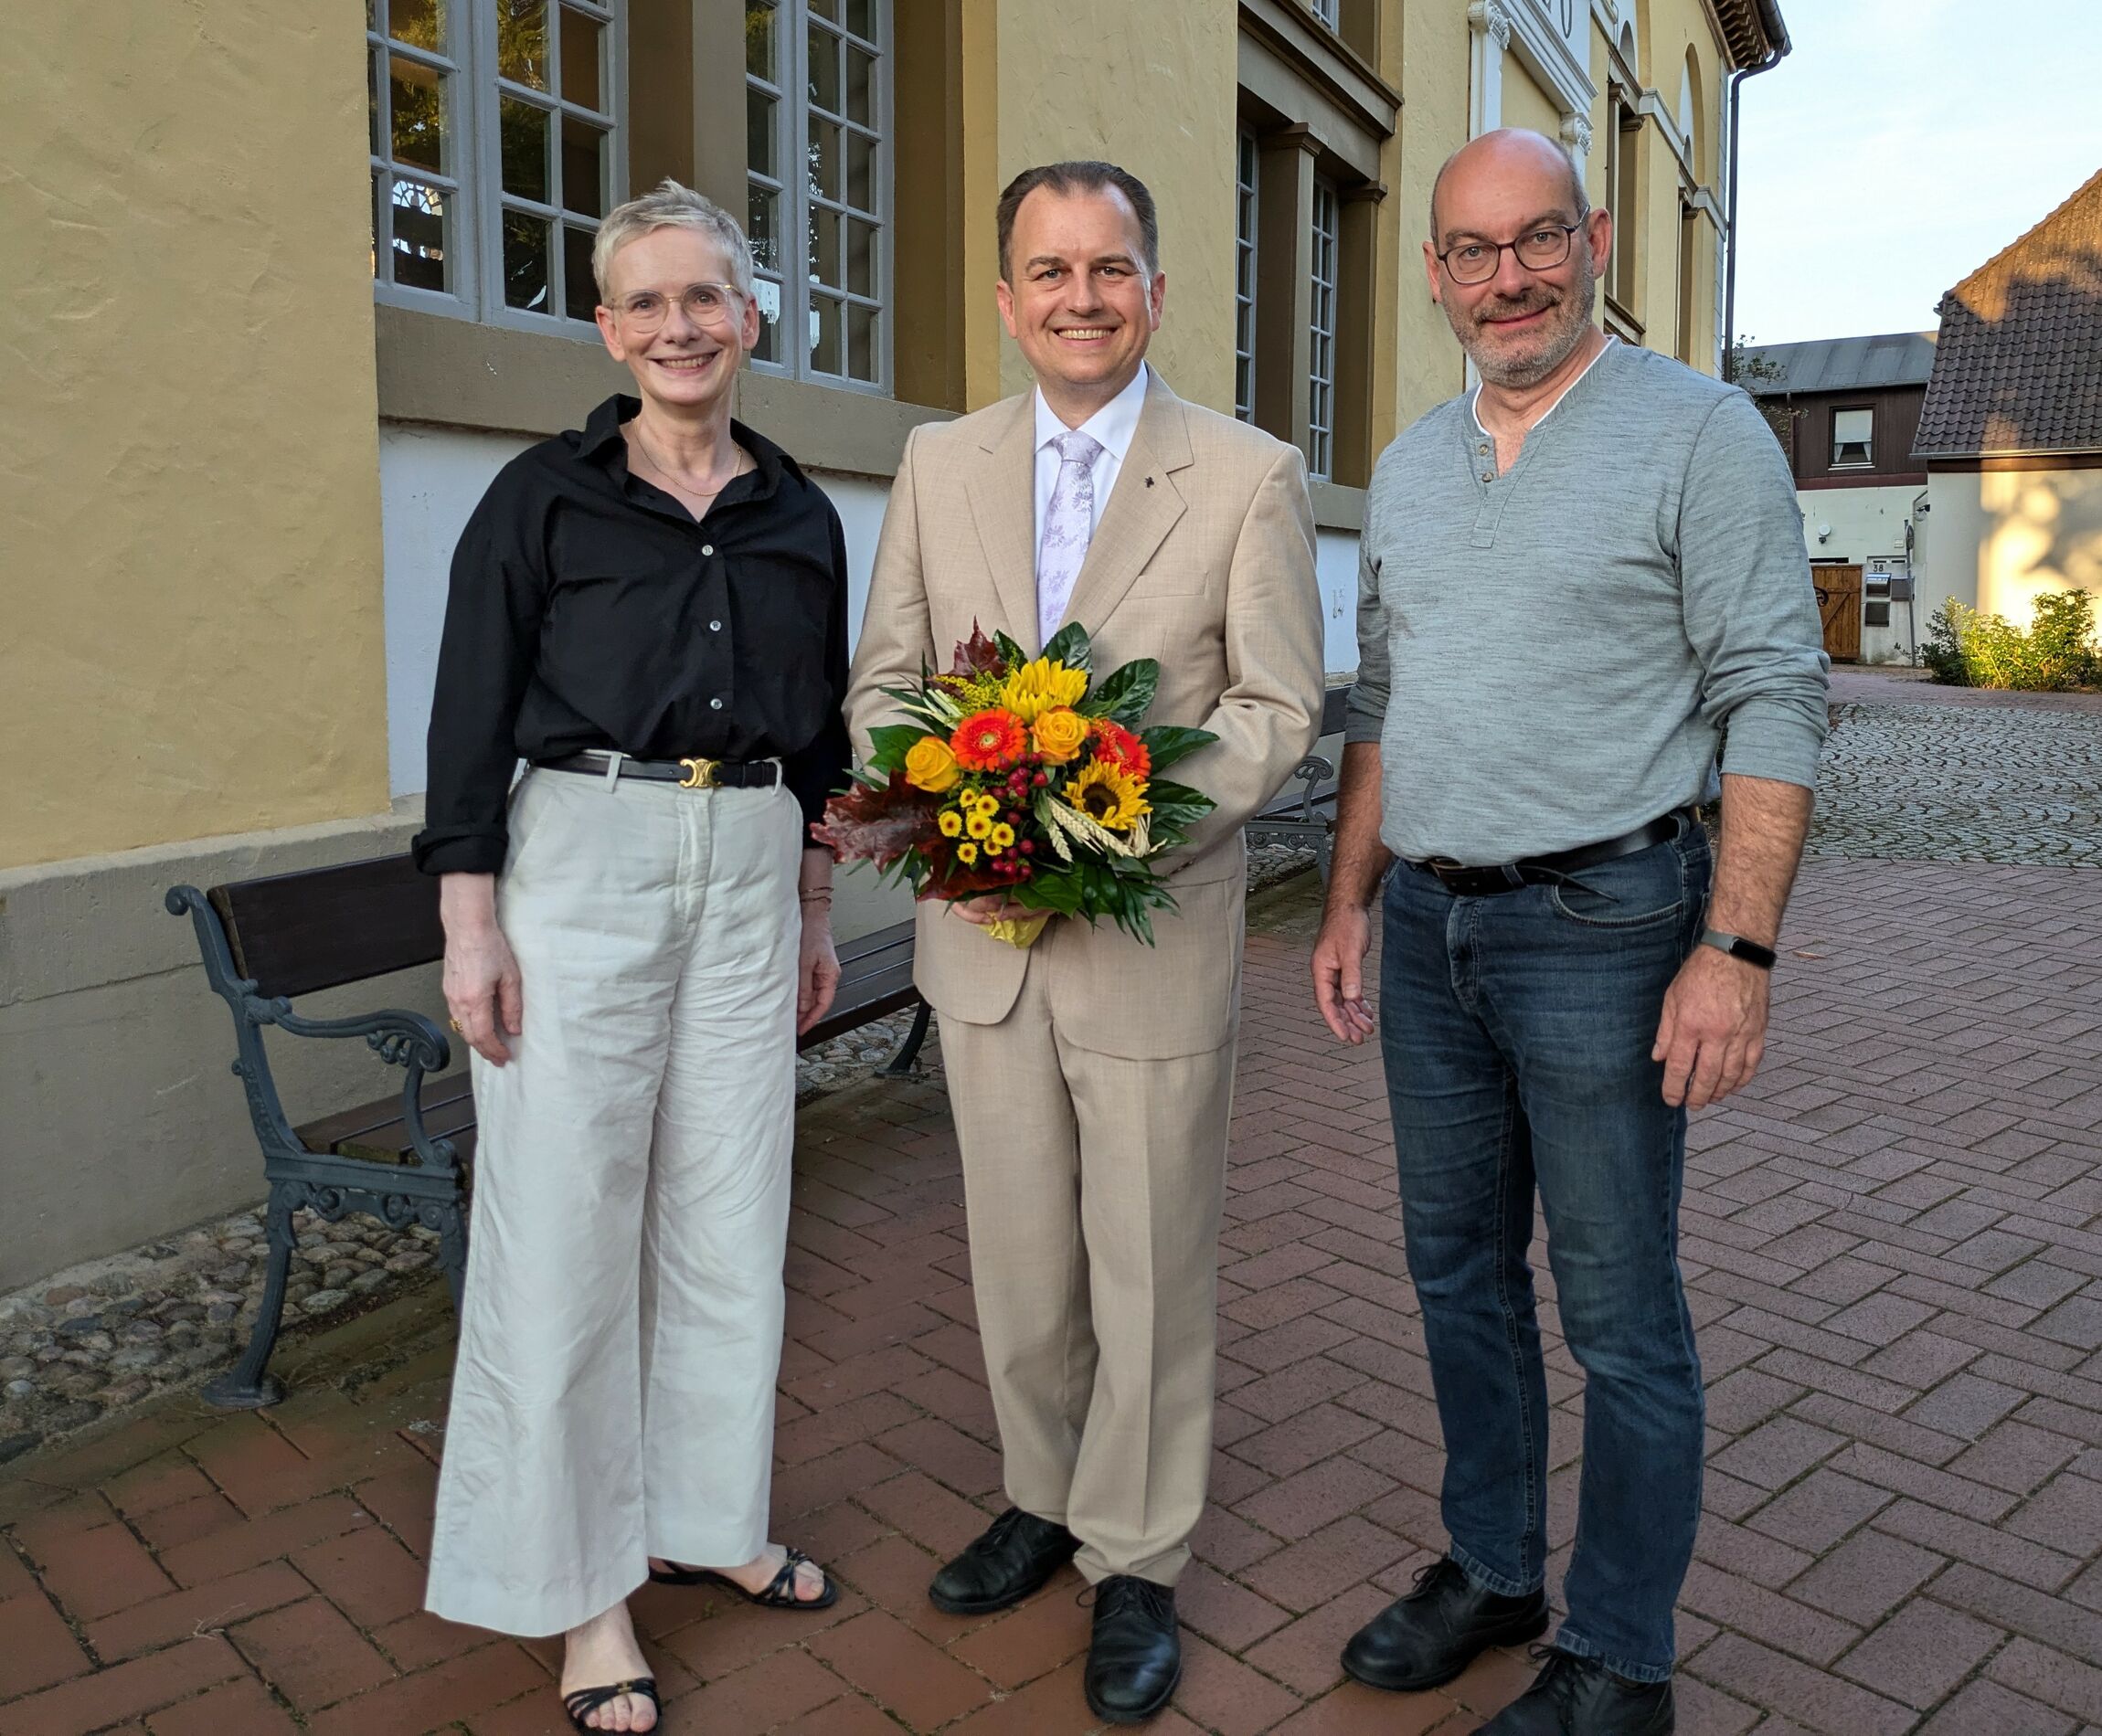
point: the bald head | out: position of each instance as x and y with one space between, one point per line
1528 168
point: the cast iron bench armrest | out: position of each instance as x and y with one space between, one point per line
399 1037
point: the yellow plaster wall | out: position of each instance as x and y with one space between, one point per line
1526 104
1998 538
1154 87
1433 80
189 504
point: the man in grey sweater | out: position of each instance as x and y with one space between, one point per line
1574 580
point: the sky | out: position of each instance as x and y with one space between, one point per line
1901 145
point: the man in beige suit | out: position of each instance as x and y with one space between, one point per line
1091 1076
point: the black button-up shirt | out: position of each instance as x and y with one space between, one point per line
589 609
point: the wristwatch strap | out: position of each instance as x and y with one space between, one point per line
1737 947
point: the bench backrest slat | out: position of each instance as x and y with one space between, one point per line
321 926
1334 708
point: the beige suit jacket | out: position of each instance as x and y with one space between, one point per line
1204 558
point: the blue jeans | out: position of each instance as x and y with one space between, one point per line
1516 1031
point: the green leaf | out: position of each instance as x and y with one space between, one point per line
890 744
1167 743
1123 696
1010 654
1069 646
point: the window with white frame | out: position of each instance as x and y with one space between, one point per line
1244 279
1320 351
1853 438
817 120
497 147
1327 11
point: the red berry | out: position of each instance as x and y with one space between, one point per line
1027 848
1039 780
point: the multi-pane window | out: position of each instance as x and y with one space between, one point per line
555 129
1320 350
817 117
413 90
1245 279
1326 11
494 151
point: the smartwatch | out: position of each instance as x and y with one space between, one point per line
1737 947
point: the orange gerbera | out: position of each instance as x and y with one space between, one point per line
989 741
1122 749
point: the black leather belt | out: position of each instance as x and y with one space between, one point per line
688 774
1485 883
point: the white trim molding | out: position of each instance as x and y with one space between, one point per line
1551 41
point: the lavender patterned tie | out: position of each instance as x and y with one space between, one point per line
1068 523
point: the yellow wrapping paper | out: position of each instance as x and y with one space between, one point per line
1020 935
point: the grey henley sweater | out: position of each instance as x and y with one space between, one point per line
1547 658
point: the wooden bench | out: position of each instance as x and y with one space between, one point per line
404 1157
1307 815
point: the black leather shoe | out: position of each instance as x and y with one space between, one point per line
1135 1658
1439 1628
1575 1696
1016 1555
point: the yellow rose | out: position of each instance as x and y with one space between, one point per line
1040 686
930 766
1060 734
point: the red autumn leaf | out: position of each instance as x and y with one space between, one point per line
878 825
977 655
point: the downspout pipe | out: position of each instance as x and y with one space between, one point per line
1777 31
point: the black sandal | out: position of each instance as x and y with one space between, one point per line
587 1701
780 1592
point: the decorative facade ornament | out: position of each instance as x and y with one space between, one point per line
1577 133
1490 18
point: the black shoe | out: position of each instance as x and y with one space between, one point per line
1016 1554
1438 1629
1575 1696
1135 1658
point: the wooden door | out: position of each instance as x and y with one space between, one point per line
1839 603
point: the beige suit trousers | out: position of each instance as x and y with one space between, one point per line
613 1398
1093 1185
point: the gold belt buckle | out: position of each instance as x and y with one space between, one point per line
700 774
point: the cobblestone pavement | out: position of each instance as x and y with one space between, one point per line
1894 1248
1927 780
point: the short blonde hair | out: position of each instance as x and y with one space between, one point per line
669 206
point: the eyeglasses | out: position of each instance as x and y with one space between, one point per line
705 304
1540 249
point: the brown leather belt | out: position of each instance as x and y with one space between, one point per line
1534 870
688 774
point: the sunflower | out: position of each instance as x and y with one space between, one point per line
1042 687
1107 795
949 823
1122 749
967 853
989 741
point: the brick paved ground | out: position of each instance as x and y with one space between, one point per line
1895 1248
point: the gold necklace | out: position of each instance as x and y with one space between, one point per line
736 470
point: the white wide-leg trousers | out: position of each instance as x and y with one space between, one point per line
613 1397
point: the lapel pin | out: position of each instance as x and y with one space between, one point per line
1149 482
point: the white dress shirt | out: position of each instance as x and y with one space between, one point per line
1113 426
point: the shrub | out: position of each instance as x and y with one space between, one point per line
1965 648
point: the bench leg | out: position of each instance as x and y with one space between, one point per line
452 1250
1324 847
899 1065
250 1386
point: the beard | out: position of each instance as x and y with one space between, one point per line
1524 361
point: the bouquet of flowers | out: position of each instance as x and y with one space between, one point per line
1025 777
